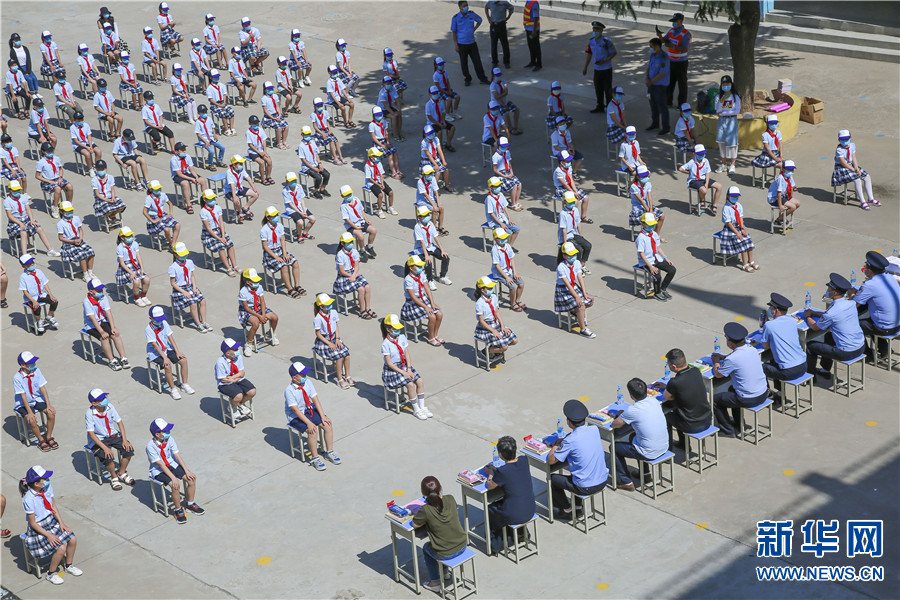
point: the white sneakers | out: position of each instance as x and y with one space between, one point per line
588 333
432 285
52 252
175 394
55 578
445 280
187 389
275 340
420 414
143 301
247 351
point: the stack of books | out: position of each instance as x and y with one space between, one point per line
536 445
470 478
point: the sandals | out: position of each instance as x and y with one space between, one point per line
293 293
369 314
754 265
349 381
116 484
518 307
52 443
44 446
434 342
189 210
587 220
299 291
748 268
4 303
443 231
343 384
127 479
306 236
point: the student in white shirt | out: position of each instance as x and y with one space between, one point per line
100 325
158 212
427 243
128 80
630 152
89 75
295 208
126 153
299 62
83 141
345 72
254 54
570 294
349 279
419 304
286 88
356 222
253 310
502 164
130 266
167 34
489 325
152 56
275 257
168 468
503 269
310 164
11 164
155 123
698 170
273 117
322 131
684 130
106 434
652 258
384 195
329 344
213 45
397 371
336 95
305 414
106 203
105 105
181 96
378 131
240 76
21 221
17 87
256 150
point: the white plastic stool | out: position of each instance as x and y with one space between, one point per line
301 445
587 520
229 417
529 545
705 458
655 469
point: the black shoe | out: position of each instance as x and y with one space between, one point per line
326 193
537 68
528 66
597 109
663 131
195 508
363 257
652 127
180 517
679 443
826 375
660 297
370 251
468 82
507 66
665 294
484 82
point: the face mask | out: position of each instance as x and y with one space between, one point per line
495 113
240 168
17 43
464 9
9 145
125 61
30 269
49 155
571 259
334 75
554 92
45 484
215 80
619 96
563 127
14 68
488 291
166 435
348 247
347 199
502 241
270 92
379 118
342 48
16 195
155 193
769 314
426 220
788 175
99 295
102 90
84 53
441 68
394 332
429 178
303 380
701 158
28 368
731 200
274 220
686 114
253 285
180 260
40 111
247 28
101 174
327 307
295 39
430 136
293 185
104 403
151 102
648 228
570 206
307 138
773 126
845 143
62 81
320 109
645 179
418 270
254 127
79 124
149 36
182 155
211 23
68 216
596 34
129 240
726 88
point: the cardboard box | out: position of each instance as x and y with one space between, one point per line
812 110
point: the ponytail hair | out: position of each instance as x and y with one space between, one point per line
23 487
431 489
478 293
384 330
406 269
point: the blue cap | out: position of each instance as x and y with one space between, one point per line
160 425
493 105
428 130
432 90
96 395
229 344
735 332
838 282
298 368
37 472
778 301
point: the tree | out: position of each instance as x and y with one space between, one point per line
741 34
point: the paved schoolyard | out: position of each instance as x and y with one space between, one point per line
276 528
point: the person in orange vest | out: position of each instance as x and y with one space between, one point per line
678 43
531 19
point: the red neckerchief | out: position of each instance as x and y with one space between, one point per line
19 204
391 104
572 216
181 81
87 63
641 193
129 70
212 215
445 80
293 194
72 226
237 178
309 406
284 76
37 281
352 205
240 68
187 274
168 20
257 302
572 274
344 61
152 46
634 152
427 228
47 504
162 452
737 217
505 154
206 129
569 180
393 67
350 256
619 110
687 126
506 257
215 35
381 127
312 154
558 100
12 159
296 50
497 207
218 92
184 166
790 187
103 183
105 420
80 129
500 85
322 117
400 350
848 155
494 129
64 91
698 164
421 286
376 167
105 101
565 138
41 117
159 208
109 39
28 377
775 139
153 112
258 138
328 323
437 109
131 258
16 79
274 229
50 51
159 341
653 243
233 370
101 314
493 312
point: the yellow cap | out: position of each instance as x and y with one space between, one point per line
427 170
180 249
324 300
291 176
415 261
15 185
648 218
209 194
500 233
347 237
125 231
374 151
346 190
569 248
155 185
237 159
271 211
66 206
252 275
393 321
422 210
569 196
306 130
485 282
494 182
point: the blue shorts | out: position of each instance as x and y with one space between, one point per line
38 407
300 426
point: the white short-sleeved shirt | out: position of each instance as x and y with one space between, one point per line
561 174
418 284
197 63
293 199
156 207
34 283
17 206
252 35
155 452
183 274
390 349
561 140
326 322
569 220
640 192
161 336
502 256
16 80
151 47
426 191
103 187
502 159
10 156
37 120
424 236
237 68
256 140
617 110
99 311
682 125
86 63
335 89
282 79
223 367
387 99
179 85
645 245
272 236
308 151
651 436
69 228
270 104
353 211
629 152
24 393
846 153
153 115
429 150
236 180
321 120
33 503
442 80
433 113
729 211
495 208
346 260
556 104
212 216
205 129
212 35
50 169
215 93
253 298
297 48
131 260
772 141
568 272
379 129
128 72
63 90
696 170
102 424
123 147
483 309
293 396
784 186
374 171
491 126
81 134
180 165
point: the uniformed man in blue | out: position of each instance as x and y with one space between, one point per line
658 73
880 293
844 339
582 449
749 386
781 337
600 51
463 27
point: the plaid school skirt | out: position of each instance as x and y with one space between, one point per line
508 107
508 184
223 112
276 123
579 193
271 264
164 223
486 336
179 302
348 79
103 208
764 161
213 244
13 229
343 285
615 134
295 65
244 316
411 311
132 89
324 140
682 144
73 254
401 85
563 301
390 150
38 545
12 174
51 68
123 278
48 187
440 169
327 353
252 51
840 176
634 218
210 49
449 96
84 79
168 35
392 379
730 245
180 101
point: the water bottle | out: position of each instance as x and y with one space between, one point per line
896 253
808 303
666 372
560 433
717 349
853 278
762 319
619 396
495 459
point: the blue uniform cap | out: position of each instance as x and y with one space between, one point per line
298 368
838 282
575 410
432 90
876 260
778 301
735 332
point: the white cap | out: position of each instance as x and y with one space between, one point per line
245 20
214 73
46 33
788 164
341 41
158 313
317 101
66 206
699 148
176 66
734 191
295 32
27 358
267 85
772 119
148 30
346 190
26 259
503 141
630 129
844 134
642 171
